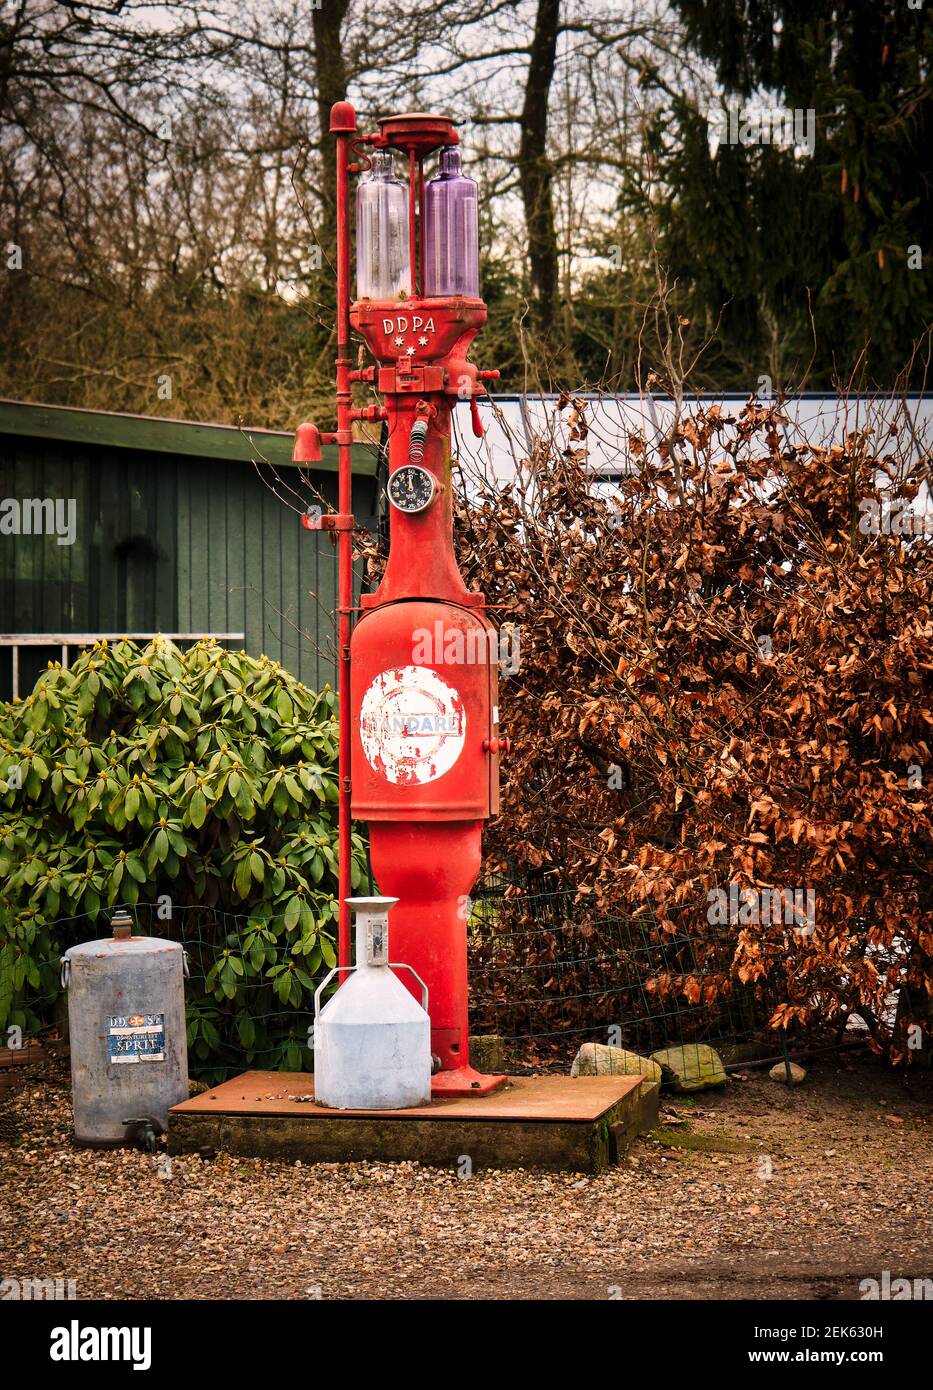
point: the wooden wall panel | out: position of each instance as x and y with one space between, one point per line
173 544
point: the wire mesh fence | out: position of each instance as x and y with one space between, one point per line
546 974
250 1002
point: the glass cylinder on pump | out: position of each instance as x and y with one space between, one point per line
383 260
451 230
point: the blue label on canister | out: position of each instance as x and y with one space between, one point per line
136 1038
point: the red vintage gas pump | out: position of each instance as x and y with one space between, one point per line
419 741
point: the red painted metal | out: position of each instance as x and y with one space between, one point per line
412 227
422 745
343 125
421 221
416 130
329 521
425 793
439 765
307 444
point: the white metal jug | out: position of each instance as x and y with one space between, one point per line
372 1040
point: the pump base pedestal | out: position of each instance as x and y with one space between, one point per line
561 1123
464 1081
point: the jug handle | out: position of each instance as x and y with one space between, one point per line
401 965
323 985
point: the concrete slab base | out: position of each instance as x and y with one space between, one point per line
577 1124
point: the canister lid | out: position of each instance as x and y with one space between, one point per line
114 946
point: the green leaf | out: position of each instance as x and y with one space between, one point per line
197 809
313 959
292 912
243 879
135 868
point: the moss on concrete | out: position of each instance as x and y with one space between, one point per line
704 1143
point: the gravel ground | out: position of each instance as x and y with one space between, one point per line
833 1187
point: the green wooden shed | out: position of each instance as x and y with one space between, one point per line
116 525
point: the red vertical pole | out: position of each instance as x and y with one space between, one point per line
411 221
343 125
421 225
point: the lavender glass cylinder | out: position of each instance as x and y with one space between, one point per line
383 259
451 230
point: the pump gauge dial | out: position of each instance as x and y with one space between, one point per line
411 488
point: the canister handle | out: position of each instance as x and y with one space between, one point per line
323 985
65 975
393 965
400 965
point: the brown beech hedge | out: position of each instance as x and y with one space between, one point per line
722 709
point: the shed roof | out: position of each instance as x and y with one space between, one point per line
155 434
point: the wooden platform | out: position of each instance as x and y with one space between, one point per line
558 1122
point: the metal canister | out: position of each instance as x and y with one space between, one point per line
372 1041
126 1017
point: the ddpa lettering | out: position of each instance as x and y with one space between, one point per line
401 324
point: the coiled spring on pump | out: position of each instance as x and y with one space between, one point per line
419 433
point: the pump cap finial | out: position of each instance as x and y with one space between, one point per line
342 117
307 448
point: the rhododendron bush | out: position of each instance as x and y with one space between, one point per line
722 710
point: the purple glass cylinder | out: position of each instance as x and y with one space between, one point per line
451 230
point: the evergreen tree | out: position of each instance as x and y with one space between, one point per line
755 233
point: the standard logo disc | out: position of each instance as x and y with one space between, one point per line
412 725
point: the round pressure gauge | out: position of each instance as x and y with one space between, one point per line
411 488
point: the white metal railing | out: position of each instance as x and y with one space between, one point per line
67 640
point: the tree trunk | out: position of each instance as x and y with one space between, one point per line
534 168
331 78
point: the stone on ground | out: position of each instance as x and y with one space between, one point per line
487 1052
692 1067
779 1073
598 1059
